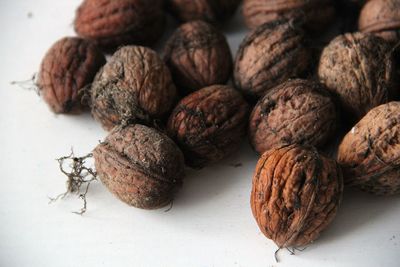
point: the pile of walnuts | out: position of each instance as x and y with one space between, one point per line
165 112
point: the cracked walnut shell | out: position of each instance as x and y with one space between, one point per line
295 112
295 195
139 165
370 152
134 86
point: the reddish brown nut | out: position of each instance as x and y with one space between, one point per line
296 193
141 166
381 18
370 154
209 124
211 11
358 68
198 55
270 55
295 112
112 24
69 65
134 86
316 14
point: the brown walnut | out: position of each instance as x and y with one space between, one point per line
270 55
370 154
68 66
198 55
381 18
209 124
207 10
316 14
296 193
141 166
359 69
112 24
134 86
295 112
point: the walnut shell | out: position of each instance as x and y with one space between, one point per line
296 193
209 124
295 112
198 55
381 18
211 11
112 24
68 66
134 86
141 166
370 154
359 68
316 14
270 55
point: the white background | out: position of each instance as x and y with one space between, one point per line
210 223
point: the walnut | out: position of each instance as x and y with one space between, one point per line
381 18
141 166
295 112
112 24
270 55
211 11
358 68
134 86
369 153
209 124
198 55
296 193
68 66
316 14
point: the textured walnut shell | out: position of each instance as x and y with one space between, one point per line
134 86
141 166
381 18
296 193
359 69
268 56
198 55
68 66
295 112
207 10
370 154
316 14
112 24
209 124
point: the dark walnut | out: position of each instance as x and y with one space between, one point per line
198 55
370 154
270 55
67 68
112 24
296 193
316 14
134 86
207 10
359 69
209 124
381 18
141 166
295 112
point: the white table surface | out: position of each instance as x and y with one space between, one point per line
210 223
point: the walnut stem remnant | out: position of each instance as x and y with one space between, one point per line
29 84
78 176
